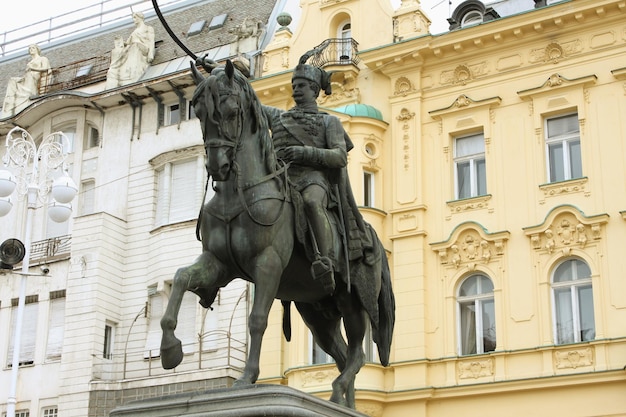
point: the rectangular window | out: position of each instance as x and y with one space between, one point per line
50 412
564 157
22 413
187 324
172 116
155 313
87 197
29 331
92 138
56 325
368 189
179 190
107 347
469 165
318 356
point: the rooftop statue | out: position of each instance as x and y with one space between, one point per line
258 225
130 59
21 89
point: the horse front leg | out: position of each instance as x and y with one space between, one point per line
204 272
267 275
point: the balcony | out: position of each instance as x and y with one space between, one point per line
50 250
76 74
336 51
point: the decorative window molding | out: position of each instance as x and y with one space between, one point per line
566 228
469 245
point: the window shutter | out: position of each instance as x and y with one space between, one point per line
187 322
29 334
153 338
162 197
183 191
56 328
88 193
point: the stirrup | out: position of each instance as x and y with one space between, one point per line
322 270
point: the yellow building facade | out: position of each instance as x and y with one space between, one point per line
490 158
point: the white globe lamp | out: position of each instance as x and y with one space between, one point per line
59 212
5 206
7 183
64 189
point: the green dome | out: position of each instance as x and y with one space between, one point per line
360 110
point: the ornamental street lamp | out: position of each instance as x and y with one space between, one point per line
35 166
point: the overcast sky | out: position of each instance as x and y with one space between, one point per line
25 12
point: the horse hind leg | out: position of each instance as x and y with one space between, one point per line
327 334
355 325
202 273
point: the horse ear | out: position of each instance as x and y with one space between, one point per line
230 70
195 74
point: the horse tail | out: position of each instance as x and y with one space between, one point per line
386 314
287 319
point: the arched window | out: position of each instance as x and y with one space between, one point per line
472 18
572 296
345 35
476 316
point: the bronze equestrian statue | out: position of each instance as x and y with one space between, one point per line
254 228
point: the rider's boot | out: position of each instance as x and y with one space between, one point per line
322 270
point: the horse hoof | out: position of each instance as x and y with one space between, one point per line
172 356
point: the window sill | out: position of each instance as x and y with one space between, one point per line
173 226
469 204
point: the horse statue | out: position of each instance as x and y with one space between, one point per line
247 231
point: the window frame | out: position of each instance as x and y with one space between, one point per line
479 300
474 180
574 285
472 18
166 191
369 188
56 326
565 140
108 341
315 352
87 197
28 337
344 32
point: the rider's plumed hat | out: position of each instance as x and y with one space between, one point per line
312 73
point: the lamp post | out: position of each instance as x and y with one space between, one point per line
35 166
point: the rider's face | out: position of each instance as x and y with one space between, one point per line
302 91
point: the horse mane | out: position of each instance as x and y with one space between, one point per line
209 89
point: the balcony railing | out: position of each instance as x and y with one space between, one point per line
79 21
49 250
76 74
336 51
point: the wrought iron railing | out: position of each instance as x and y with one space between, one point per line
80 20
76 74
336 51
48 250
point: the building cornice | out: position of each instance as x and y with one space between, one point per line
536 24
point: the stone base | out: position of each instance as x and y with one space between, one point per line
249 401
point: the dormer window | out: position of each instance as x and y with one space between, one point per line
470 13
473 17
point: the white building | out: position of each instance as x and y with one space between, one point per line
91 334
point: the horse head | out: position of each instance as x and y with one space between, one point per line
229 112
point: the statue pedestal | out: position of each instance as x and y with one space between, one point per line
250 401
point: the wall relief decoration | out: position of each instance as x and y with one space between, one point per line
566 228
470 245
